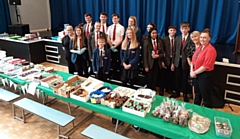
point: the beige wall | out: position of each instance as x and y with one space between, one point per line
36 13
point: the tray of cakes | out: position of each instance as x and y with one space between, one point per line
136 107
124 91
80 94
28 75
199 124
145 94
114 100
64 89
51 81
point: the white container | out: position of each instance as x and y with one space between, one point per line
141 113
91 84
83 99
144 94
2 54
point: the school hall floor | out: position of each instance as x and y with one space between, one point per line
39 128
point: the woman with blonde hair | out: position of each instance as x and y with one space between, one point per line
195 37
132 23
203 61
129 56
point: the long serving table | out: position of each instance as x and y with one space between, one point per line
150 122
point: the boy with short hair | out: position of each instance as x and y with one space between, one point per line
180 64
101 60
167 74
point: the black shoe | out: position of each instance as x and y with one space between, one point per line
185 98
190 96
169 91
114 121
156 135
139 129
175 95
161 93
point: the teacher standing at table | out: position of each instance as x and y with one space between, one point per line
202 66
65 45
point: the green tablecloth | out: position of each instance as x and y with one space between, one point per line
152 123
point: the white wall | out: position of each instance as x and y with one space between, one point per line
36 13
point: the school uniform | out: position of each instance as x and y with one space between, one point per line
87 29
79 61
119 32
104 28
154 65
101 62
130 56
169 75
181 65
92 41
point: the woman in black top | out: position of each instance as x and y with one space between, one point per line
65 45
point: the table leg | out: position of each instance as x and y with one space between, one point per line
23 115
116 126
13 110
69 109
125 129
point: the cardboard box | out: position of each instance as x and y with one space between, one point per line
131 109
69 83
77 97
51 81
91 84
144 94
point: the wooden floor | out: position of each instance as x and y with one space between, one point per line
39 128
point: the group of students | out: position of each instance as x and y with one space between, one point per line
168 62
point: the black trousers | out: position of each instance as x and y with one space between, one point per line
203 89
101 75
115 64
169 77
181 79
81 66
129 76
153 75
71 66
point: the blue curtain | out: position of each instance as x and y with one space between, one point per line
221 16
5 19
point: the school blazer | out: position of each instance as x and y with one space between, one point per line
177 51
106 60
134 57
85 28
147 53
91 42
167 50
74 55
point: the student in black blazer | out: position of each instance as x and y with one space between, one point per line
168 74
78 52
87 29
93 38
89 26
129 56
180 63
153 58
101 60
